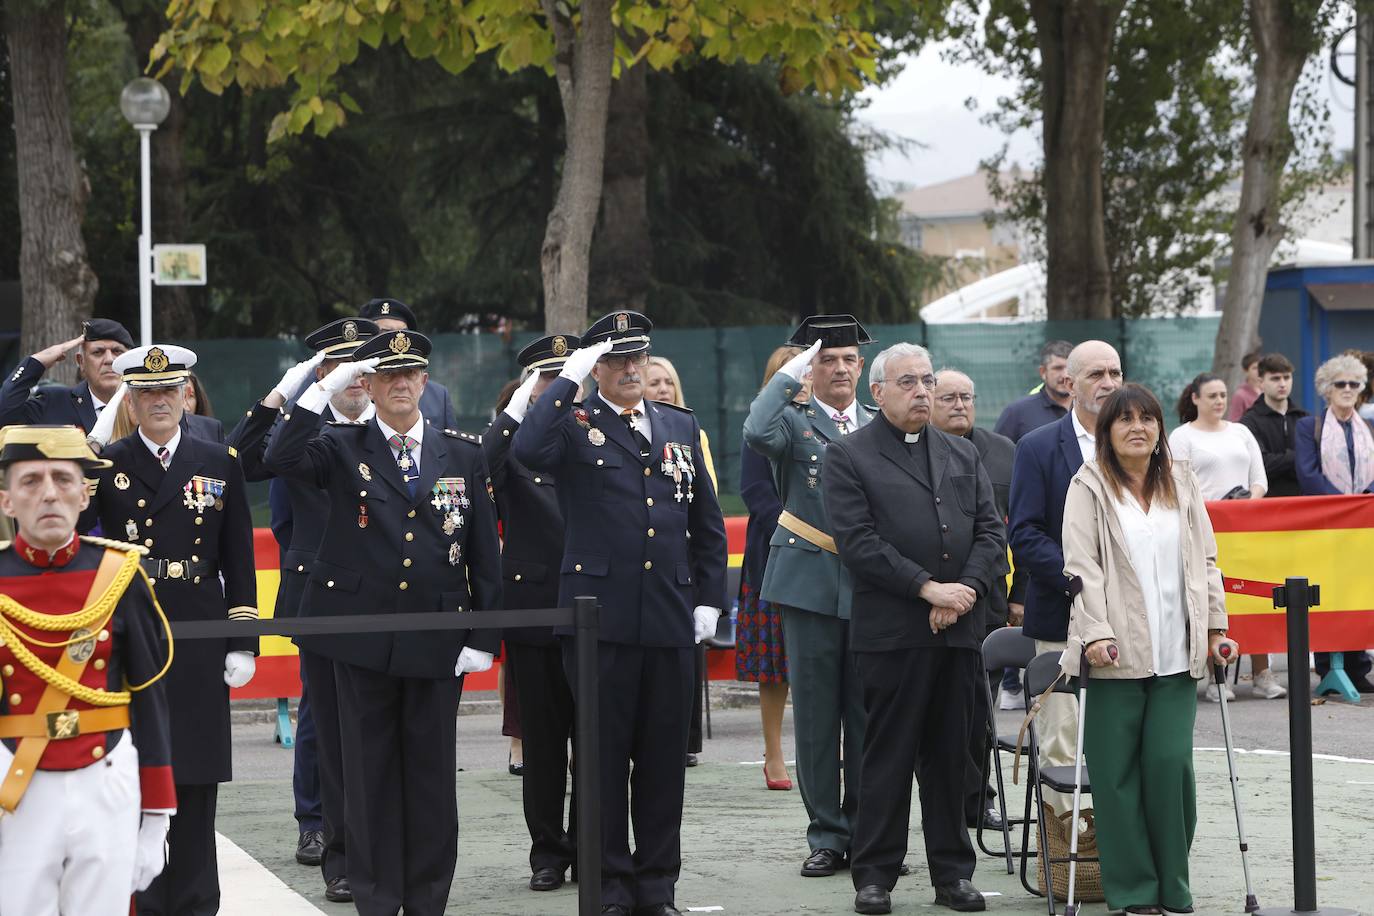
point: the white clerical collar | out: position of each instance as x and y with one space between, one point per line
416 432
851 412
911 438
368 413
171 445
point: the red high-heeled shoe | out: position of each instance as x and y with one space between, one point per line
777 785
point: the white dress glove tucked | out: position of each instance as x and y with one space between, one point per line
472 661
239 668
520 401
704 621
796 366
291 382
104 424
339 378
150 855
579 364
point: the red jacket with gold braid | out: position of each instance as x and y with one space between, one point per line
130 649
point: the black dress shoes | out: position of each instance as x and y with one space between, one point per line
546 878
822 863
657 909
992 819
310 849
960 896
615 909
338 891
691 760
873 898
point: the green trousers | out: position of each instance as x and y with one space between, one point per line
1138 742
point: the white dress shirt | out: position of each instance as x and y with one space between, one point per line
640 421
1087 442
368 413
1153 542
171 445
416 432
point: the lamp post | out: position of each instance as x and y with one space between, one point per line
144 104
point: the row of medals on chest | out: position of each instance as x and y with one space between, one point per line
676 462
448 497
199 494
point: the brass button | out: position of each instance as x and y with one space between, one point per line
19 771
599 463
200 520
103 635
147 542
362 492
406 562
8 670
196 580
649 501
410 514
648 564
195 559
577 568
410 535
300 569
147 523
517 577
197 540
813 457
646 472
404 585
944 527
99 664
937 500
97 752
541 480
651 532
505 432
557 403
142 503
791 540
15 699
329 584
944 556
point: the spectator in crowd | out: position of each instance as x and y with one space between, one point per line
1249 391
197 398
1137 537
760 652
1334 454
1273 421
662 384
1366 408
1227 462
952 411
1046 460
1047 404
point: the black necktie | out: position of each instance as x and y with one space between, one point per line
629 417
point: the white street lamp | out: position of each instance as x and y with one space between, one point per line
145 104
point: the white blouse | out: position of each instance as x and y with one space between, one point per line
1222 460
1153 544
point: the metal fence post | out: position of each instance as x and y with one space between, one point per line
587 761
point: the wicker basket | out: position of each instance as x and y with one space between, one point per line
1089 876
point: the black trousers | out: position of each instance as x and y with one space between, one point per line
918 702
400 766
1357 664
189 885
546 721
694 731
305 771
645 700
324 705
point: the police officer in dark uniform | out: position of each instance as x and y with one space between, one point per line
184 499
532 526
644 534
412 528
318 763
394 315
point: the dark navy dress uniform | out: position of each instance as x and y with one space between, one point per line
650 555
386 550
21 403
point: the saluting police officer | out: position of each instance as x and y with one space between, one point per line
412 528
644 534
532 529
183 498
317 779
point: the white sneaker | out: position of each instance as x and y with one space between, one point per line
1268 686
1212 693
1011 701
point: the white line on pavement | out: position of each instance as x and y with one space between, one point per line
250 889
1264 752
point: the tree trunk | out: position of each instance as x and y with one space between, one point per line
565 258
623 252
1281 47
1075 41
57 282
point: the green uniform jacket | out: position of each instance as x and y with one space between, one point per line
793 438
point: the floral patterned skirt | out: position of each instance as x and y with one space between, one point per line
759 651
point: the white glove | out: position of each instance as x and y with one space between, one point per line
704 621
472 661
239 668
104 424
150 854
520 401
579 364
339 378
291 382
796 366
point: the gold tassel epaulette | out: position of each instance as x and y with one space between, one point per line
112 544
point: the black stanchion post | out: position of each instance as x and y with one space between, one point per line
587 762
1297 596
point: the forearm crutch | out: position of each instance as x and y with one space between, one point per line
1219 673
1083 668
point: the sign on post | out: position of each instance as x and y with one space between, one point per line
179 265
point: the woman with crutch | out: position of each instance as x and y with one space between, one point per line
1150 618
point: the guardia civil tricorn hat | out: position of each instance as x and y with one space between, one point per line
396 350
48 443
831 331
157 366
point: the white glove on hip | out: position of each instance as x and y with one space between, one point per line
291 382
104 424
239 668
150 854
472 661
796 366
339 378
520 401
704 621
579 364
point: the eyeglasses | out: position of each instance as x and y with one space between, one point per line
949 399
908 382
1347 384
616 363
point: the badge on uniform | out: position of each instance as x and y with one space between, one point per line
450 499
455 554
131 530
596 436
122 480
364 471
202 493
580 417
362 515
812 482
677 464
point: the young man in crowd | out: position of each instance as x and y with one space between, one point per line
1273 420
1249 391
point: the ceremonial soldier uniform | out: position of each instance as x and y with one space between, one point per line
645 537
532 527
411 530
83 713
805 577
190 510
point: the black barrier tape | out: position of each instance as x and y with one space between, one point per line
373 623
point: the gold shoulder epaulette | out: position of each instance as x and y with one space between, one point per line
112 544
233 452
467 437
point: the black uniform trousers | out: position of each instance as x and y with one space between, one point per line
694 730
318 674
189 884
918 702
546 721
305 774
399 749
645 700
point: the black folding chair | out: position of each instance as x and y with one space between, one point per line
1004 648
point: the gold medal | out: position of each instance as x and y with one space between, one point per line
365 471
596 436
122 480
219 505
131 530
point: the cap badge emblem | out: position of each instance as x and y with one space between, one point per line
622 323
386 308
560 346
350 331
399 344
121 480
156 360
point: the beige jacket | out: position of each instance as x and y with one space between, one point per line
1111 604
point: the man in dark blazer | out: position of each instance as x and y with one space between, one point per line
1046 460
645 536
102 341
915 522
532 530
412 528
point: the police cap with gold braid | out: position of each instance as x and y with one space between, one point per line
396 350
338 339
157 366
548 354
48 443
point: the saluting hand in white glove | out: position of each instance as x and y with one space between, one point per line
798 365
520 401
339 378
100 433
150 852
579 364
292 380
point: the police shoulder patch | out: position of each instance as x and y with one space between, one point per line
465 436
